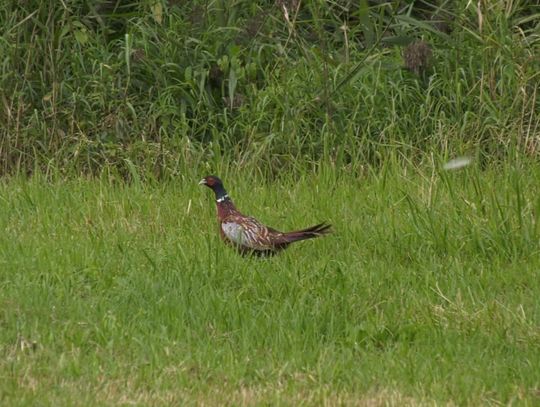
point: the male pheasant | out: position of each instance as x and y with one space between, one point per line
247 234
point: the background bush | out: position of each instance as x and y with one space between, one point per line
163 86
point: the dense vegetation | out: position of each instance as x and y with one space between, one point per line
164 86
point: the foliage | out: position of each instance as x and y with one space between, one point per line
167 86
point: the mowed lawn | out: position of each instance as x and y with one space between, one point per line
427 292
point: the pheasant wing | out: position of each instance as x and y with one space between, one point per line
247 232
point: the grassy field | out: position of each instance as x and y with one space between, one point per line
114 286
427 292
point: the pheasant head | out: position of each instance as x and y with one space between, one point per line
215 184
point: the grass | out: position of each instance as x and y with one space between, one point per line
114 287
116 294
168 84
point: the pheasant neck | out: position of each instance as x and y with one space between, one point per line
224 204
225 207
221 193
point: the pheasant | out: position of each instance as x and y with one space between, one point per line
247 234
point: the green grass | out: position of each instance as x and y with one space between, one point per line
114 286
427 292
167 84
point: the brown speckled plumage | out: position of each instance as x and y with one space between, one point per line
247 234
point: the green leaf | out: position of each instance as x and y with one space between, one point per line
399 40
365 20
233 80
81 36
422 25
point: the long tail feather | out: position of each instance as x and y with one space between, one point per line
308 233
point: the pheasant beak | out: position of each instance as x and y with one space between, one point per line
202 182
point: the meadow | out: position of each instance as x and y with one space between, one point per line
114 286
426 294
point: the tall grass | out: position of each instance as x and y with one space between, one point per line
166 86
